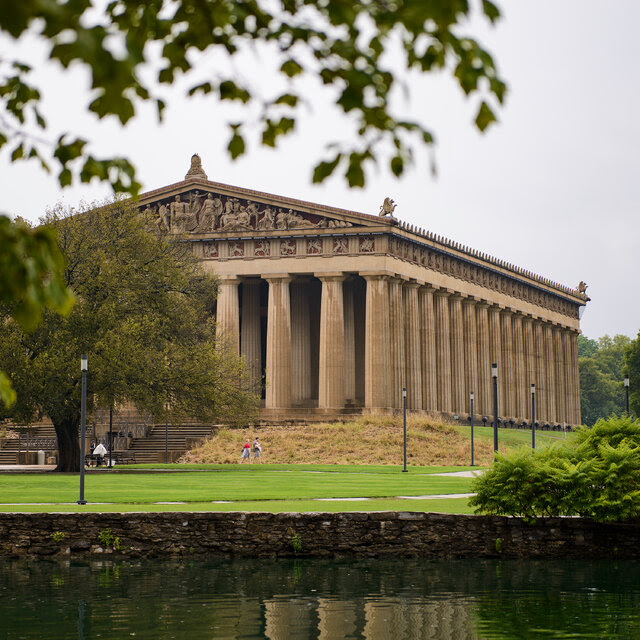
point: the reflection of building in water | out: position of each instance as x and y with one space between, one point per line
373 618
338 619
289 619
235 617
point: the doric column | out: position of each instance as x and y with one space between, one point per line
396 329
568 376
550 373
519 368
228 312
457 353
250 340
377 356
483 395
470 353
561 396
412 346
300 342
331 366
443 350
349 343
495 355
529 362
428 349
541 381
577 418
278 369
508 365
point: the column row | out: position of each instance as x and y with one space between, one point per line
436 343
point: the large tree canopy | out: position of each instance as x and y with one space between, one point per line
632 368
31 268
143 314
601 365
355 48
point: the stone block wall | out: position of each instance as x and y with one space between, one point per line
355 534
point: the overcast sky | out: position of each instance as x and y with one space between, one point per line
554 188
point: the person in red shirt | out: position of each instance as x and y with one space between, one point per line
246 452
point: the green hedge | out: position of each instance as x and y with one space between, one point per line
596 476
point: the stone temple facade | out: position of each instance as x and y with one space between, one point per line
336 311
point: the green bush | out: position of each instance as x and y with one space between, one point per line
596 476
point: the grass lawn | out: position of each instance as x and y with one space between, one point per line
259 486
511 438
444 505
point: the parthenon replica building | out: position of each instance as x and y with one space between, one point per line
335 311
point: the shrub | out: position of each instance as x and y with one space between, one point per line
596 476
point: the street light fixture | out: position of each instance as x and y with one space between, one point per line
471 399
404 421
626 389
83 422
533 415
494 375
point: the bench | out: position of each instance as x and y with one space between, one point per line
117 457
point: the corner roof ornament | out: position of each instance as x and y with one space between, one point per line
196 170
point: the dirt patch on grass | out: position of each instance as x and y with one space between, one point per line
371 440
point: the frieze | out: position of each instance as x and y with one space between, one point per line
236 249
288 248
262 248
210 249
314 246
480 275
340 245
198 212
366 244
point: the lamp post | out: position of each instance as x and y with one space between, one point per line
494 375
404 422
83 423
533 415
471 400
110 437
626 390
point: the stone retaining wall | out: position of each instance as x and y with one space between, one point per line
357 534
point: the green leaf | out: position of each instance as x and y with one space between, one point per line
397 165
324 169
229 90
287 98
490 10
236 145
7 394
485 116
355 172
17 153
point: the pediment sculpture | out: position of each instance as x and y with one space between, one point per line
195 212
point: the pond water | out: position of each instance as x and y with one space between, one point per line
301 599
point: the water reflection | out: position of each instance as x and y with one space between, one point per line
329 600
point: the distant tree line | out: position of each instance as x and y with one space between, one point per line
603 365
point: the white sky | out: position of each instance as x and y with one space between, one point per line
554 188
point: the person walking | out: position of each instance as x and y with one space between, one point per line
246 453
257 450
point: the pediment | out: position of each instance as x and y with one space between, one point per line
197 207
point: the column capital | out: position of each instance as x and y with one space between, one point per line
412 285
472 300
443 293
375 275
229 279
332 276
277 277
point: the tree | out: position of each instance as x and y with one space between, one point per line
142 314
31 268
133 49
632 369
601 372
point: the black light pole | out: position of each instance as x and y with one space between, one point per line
471 398
404 422
626 389
533 415
494 375
83 423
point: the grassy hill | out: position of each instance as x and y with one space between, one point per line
368 440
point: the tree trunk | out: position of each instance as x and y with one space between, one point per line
68 445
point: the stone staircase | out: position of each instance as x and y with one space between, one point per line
41 436
182 437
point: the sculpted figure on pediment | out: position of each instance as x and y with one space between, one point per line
338 224
281 220
209 214
296 221
165 215
235 216
253 211
267 221
182 219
